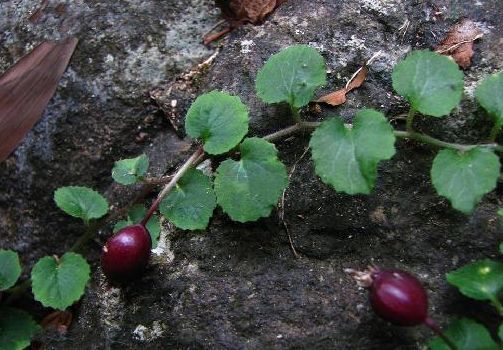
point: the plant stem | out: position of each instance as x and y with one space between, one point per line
296 115
410 120
275 136
438 331
494 132
172 183
157 180
497 304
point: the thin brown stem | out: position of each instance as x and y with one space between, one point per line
157 181
172 183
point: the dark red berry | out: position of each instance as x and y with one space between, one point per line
398 297
126 254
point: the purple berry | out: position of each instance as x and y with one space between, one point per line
398 297
126 254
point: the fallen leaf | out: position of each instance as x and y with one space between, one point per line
58 320
459 42
238 12
27 87
338 97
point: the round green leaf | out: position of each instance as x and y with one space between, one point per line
464 177
481 280
432 83
16 329
250 188
346 157
130 171
190 204
81 202
10 269
291 76
219 119
466 334
489 94
58 283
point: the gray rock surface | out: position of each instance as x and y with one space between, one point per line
238 286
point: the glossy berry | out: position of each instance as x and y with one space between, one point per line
398 297
126 254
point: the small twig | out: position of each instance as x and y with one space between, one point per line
281 212
218 24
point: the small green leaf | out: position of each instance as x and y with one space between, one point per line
190 204
347 157
119 225
81 202
10 269
291 76
250 188
500 332
464 177
130 171
500 212
17 328
432 83
58 283
135 215
219 119
501 247
489 94
481 280
466 335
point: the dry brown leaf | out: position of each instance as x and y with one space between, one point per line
58 320
27 87
459 42
242 11
339 97
238 12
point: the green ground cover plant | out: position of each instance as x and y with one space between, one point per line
248 184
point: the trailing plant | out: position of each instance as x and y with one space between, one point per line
248 185
481 280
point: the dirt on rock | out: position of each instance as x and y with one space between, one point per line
239 286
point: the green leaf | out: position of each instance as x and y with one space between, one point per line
250 188
190 204
466 335
219 119
432 83
346 157
500 332
481 280
119 225
489 93
130 171
10 269
291 76
81 202
135 215
464 177
500 212
17 328
501 247
58 283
